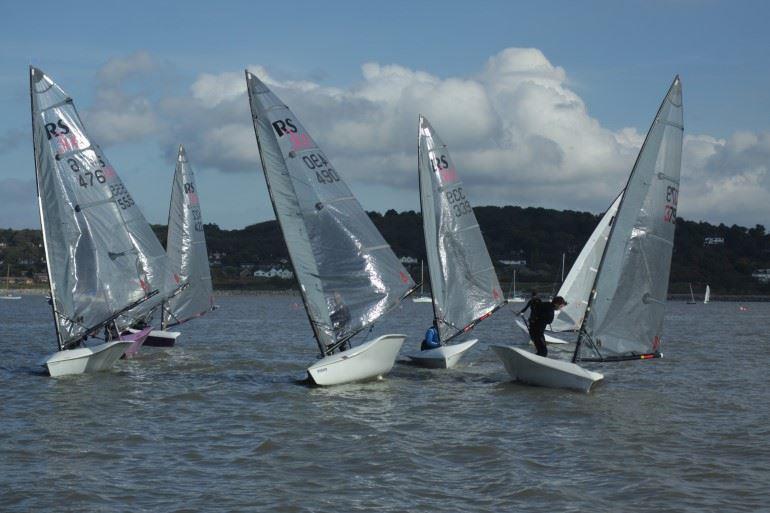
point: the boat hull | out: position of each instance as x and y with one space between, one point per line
159 338
549 339
85 359
532 369
444 357
136 340
370 360
422 299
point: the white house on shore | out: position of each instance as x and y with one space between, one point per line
283 274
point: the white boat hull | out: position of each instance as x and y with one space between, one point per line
85 359
444 357
549 339
516 300
422 299
532 369
370 360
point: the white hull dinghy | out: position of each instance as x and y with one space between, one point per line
422 299
367 361
549 339
102 258
532 369
348 275
85 359
444 357
464 287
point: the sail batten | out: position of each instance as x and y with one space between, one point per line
625 313
465 288
186 249
101 254
349 276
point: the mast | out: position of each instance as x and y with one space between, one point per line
634 170
42 216
271 193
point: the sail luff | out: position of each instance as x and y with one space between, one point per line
35 151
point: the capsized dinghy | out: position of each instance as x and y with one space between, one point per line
464 286
348 275
95 247
624 315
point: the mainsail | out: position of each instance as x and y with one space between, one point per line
101 254
186 249
624 318
707 295
348 275
463 280
577 286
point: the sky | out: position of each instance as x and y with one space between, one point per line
540 103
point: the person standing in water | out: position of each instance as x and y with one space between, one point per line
542 316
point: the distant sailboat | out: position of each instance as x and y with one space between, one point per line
707 295
96 247
422 298
462 278
513 297
8 294
691 301
624 316
187 256
348 275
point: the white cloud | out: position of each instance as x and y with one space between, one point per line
518 133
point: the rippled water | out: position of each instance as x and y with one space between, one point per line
222 422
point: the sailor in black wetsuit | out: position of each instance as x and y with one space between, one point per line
542 316
533 300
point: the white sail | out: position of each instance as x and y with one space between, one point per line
624 319
463 281
101 254
348 275
707 295
577 286
186 249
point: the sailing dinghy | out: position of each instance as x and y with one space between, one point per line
463 282
98 253
707 295
348 275
513 297
187 255
577 286
624 315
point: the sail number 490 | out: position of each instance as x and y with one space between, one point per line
460 205
323 172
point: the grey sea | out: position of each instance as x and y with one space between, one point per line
224 422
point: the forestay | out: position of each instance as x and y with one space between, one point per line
463 280
625 313
577 286
186 249
101 254
347 273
